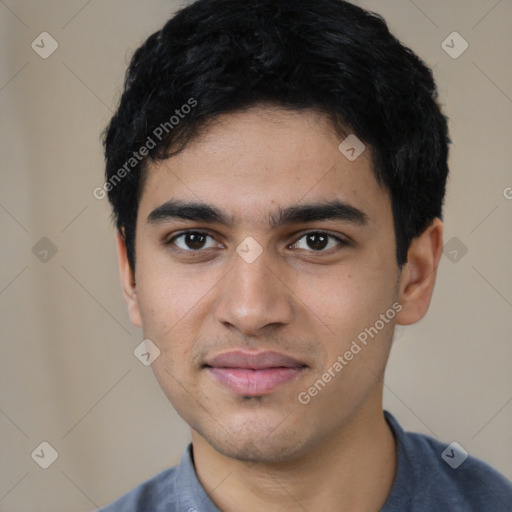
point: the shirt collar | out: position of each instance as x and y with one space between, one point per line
191 495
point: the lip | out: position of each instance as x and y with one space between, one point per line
254 374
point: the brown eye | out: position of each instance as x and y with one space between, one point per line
318 241
192 241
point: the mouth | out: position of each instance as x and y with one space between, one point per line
254 374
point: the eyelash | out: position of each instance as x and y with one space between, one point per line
195 253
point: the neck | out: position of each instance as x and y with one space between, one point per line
353 470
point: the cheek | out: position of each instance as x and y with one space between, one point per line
347 298
173 309
357 341
165 297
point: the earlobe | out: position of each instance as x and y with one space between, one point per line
419 274
128 281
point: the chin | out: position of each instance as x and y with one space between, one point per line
255 445
251 451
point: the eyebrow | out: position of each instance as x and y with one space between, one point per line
202 212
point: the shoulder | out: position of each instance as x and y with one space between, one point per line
445 476
175 489
156 494
463 478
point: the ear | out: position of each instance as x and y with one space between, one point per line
128 281
419 274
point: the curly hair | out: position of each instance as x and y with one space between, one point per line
215 57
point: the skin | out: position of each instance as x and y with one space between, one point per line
272 452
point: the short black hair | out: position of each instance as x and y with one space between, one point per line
216 57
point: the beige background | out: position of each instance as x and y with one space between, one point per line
67 371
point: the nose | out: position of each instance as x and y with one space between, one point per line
254 296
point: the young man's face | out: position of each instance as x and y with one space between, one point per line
307 298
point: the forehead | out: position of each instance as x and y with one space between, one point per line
254 162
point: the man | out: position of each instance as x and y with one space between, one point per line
277 171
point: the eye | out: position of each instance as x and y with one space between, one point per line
318 241
193 241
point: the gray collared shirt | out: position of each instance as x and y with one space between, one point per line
426 480
175 489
